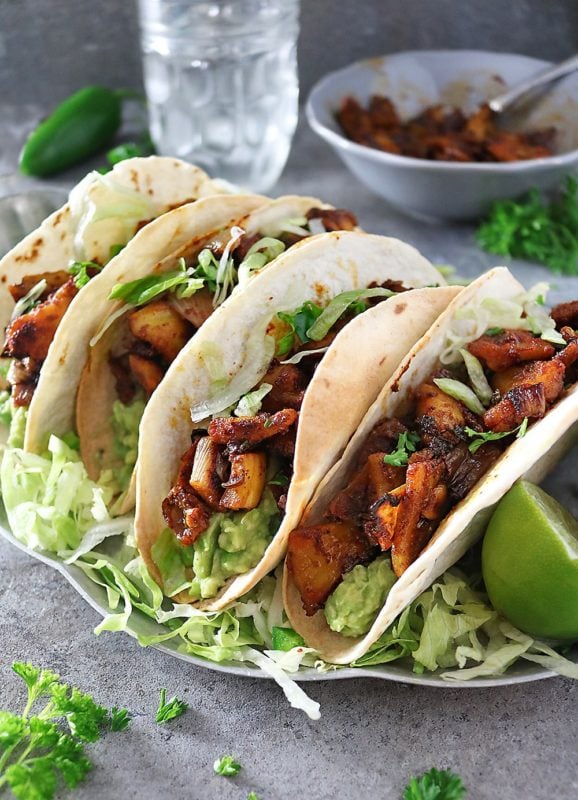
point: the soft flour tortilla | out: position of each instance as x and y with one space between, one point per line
164 182
156 248
531 456
97 387
345 383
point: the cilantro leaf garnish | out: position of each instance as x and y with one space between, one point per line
227 767
171 709
535 229
252 796
494 331
299 323
435 785
80 271
40 751
406 444
481 437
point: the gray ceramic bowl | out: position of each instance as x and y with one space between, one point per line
464 78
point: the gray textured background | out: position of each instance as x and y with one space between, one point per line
508 743
48 48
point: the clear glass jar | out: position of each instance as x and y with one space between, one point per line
221 82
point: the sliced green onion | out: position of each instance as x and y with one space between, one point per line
477 377
459 391
338 306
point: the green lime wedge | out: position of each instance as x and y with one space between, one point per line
530 563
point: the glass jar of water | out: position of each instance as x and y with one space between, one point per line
221 82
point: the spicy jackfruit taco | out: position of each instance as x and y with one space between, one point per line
486 396
259 405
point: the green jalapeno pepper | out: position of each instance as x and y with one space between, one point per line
79 127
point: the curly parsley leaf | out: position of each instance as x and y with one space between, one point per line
171 709
36 754
227 767
546 232
481 437
406 444
435 785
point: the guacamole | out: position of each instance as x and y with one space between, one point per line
353 606
232 545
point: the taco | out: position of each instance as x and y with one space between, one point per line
43 274
140 312
485 397
261 403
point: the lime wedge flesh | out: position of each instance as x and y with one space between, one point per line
530 563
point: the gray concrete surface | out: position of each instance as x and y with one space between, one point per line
508 743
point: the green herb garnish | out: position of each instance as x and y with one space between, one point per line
481 437
40 749
143 290
406 444
299 323
171 709
494 331
252 796
535 229
435 785
227 767
80 271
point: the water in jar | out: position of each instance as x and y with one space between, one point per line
221 83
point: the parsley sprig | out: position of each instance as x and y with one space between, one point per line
227 767
535 229
435 785
171 709
40 749
406 444
481 437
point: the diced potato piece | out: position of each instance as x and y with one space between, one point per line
318 556
247 481
382 524
412 529
446 413
204 475
160 326
146 372
383 478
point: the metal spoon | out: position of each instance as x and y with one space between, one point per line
506 100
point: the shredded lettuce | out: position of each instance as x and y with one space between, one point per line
143 290
336 307
50 501
525 312
258 256
477 377
29 300
460 391
99 199
250 404
125 423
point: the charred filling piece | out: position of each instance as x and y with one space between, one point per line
411 472
28 336
158 330
229 465
439 133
